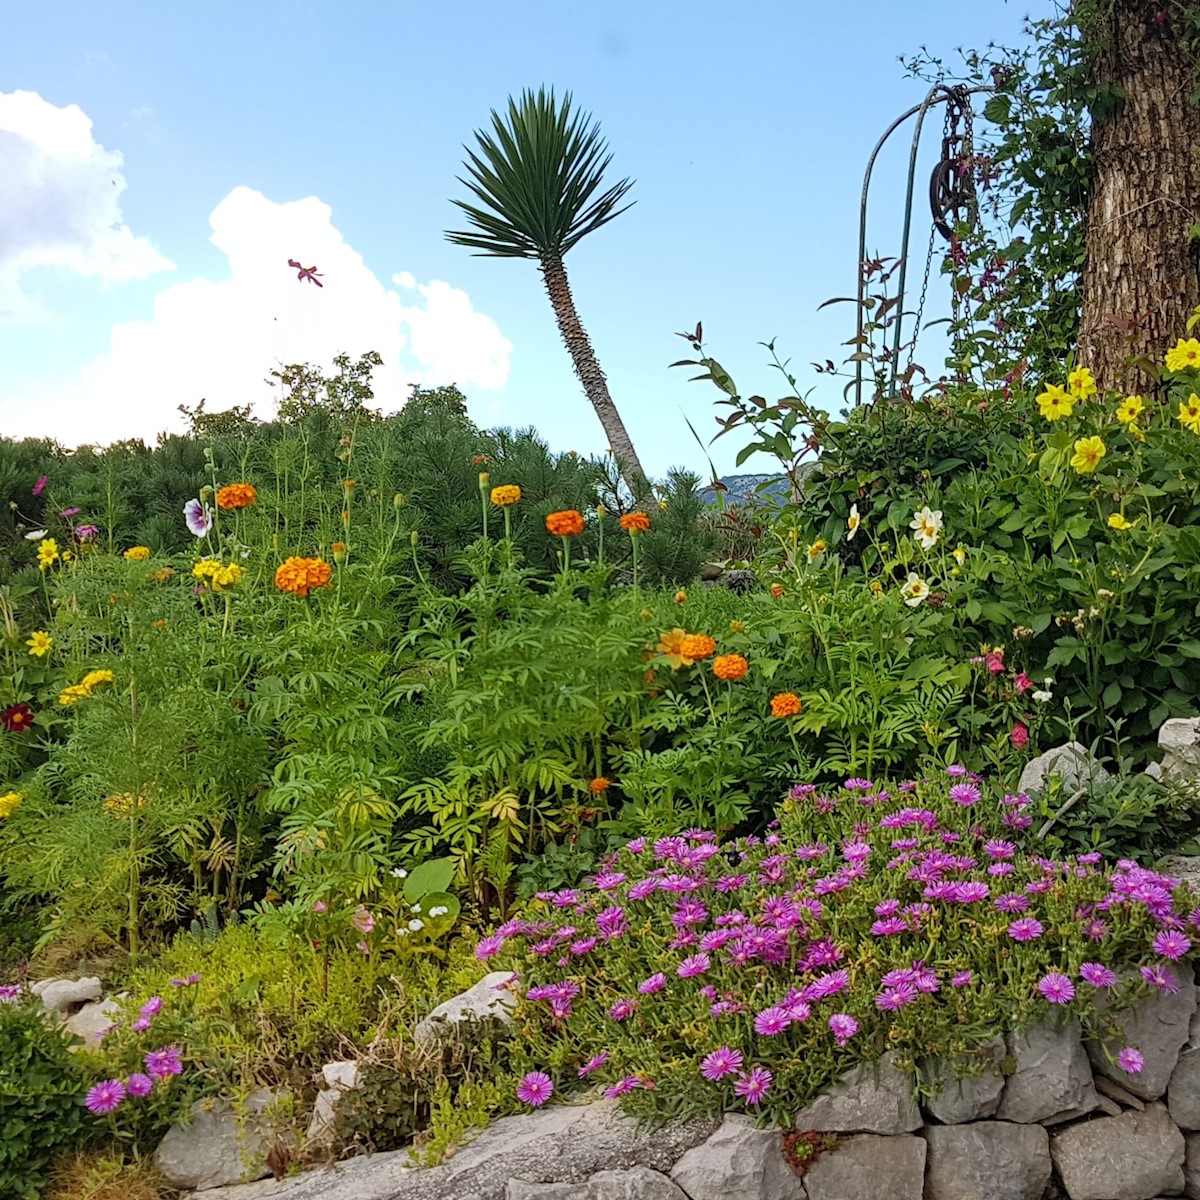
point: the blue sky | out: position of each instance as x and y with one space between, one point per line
746 127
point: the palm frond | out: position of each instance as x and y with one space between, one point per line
537 177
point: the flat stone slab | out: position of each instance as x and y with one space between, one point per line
66 996
969 1097
740 1160
987 1160
1131 1157
486 1001
560 1144
876 1097
1052 1081
868 1167
640 1183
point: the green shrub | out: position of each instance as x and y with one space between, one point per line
41 1098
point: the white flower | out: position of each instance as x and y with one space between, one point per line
416 924
438 910
915 590
1043 697
35 535
399 873
853 521
402 933
926 526
415 908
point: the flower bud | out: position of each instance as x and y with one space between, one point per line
398 501
339 553
484 481
413 538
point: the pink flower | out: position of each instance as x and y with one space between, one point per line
488 946
593 1064
362 920
1021 683
1157 976
622 1087
198 518
140 1025
1097 974
1019 736
696 964
994 661
1056 988
152 1007
623 1010
105 1097
1130 1060
720 1063
535 1089
772 1021
655 983
36 490
1172 944
754 1086
962 979
965 794
843 1027
161 1063
319 906
1026 929
10 993
138 1084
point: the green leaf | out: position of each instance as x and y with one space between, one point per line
428 877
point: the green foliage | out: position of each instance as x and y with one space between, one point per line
41 1098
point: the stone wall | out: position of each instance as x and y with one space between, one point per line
1043 1113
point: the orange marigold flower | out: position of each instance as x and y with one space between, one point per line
681 597
599 785
505 494
635 522
300 575
670 646
566 523
777 590
730 667
786 704
697 646
236 495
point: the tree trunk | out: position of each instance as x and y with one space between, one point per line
590 375
1140 281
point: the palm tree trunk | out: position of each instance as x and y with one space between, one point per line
590 375
1140 281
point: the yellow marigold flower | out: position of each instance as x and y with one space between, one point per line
1185 356
736 627
206 568
226 577
1120 522
300 575
817 548
1088 453
236 495
137 553
1129 409
786 704
697 646
670 646
599 785
94 678
1189 413
1055 403
47 554
69 695
730 667
567 523
121 805
39 643
634 523
162 574
662 506
8 803
505 494
1081 383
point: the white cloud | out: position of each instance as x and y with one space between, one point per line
219 339
60 206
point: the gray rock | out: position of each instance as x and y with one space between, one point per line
1051 1080
738 1160
1106 1088
486 1001
874 1098
1131 1157
1110 1108
66 997
1157 1025
1183 1092
969 1097
220 1145
1191 1166
1184 867
340 1078
989 1160
94 1020
1179 740
641 1183
868 1167
1073 763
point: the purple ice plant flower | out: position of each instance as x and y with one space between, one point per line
611 923
1130 1060
962 979
622 1010
843 1027
10 993
487 946
139 1085
1056 988
893 998
695 964
655 983
593 1064
1097 974
754 1085
608 881
1026 929
105 1097
1158 976
772 1021
1172 944
722 1062
643 889
141 1025
161 1063
535 1089
965 794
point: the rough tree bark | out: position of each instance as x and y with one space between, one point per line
1140 279
591 376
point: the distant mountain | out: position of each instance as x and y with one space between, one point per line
742 488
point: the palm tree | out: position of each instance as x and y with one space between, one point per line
537 178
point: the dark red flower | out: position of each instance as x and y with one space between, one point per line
16 718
